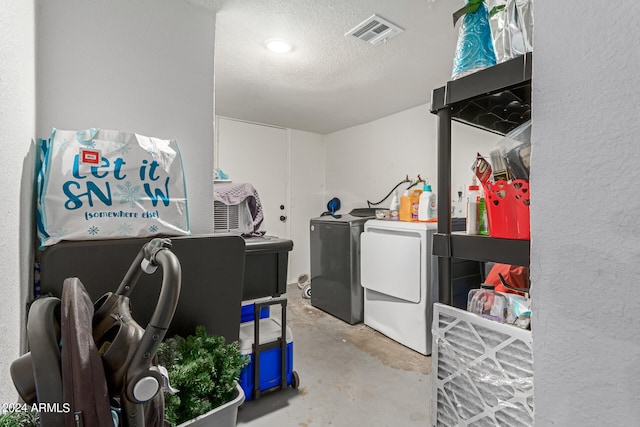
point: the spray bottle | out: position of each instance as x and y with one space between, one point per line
473 202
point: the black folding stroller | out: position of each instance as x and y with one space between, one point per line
92 364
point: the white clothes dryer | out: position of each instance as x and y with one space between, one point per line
399 277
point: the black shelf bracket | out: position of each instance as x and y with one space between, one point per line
442 245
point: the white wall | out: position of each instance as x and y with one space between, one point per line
17 128
365 162
585 247
134 65
123 64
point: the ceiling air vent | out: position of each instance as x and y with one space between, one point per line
374 30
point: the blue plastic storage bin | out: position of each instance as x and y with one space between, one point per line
270 360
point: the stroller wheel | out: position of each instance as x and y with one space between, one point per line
306 291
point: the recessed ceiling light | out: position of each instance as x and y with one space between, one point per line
278 45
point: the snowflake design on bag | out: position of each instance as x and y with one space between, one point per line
153 229
151 147
125 229
124 149
128 194
93 230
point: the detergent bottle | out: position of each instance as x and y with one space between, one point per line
428 209
405 207
415 204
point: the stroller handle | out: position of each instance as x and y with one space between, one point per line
170 292
141 381
157 328
153 254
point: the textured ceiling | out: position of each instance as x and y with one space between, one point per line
328 82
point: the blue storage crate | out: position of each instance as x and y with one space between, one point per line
270 360
247 313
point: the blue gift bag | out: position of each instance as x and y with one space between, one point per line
475 49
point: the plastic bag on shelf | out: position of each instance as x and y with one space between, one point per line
516 150
523 17
512 28
488 303
518 310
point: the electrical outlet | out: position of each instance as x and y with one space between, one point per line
458 209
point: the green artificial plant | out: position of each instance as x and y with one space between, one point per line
19 419
204 369
472 6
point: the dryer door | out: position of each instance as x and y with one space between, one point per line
391 263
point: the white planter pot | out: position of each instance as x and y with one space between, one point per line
223 416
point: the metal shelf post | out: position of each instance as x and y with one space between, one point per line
444 207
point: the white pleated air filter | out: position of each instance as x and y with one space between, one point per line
374 30
482 372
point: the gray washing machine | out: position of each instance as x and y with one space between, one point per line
335 266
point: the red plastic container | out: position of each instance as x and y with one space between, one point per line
508 209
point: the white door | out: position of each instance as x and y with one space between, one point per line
257 154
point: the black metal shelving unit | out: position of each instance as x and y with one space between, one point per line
496 99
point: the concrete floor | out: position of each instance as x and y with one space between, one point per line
349 376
